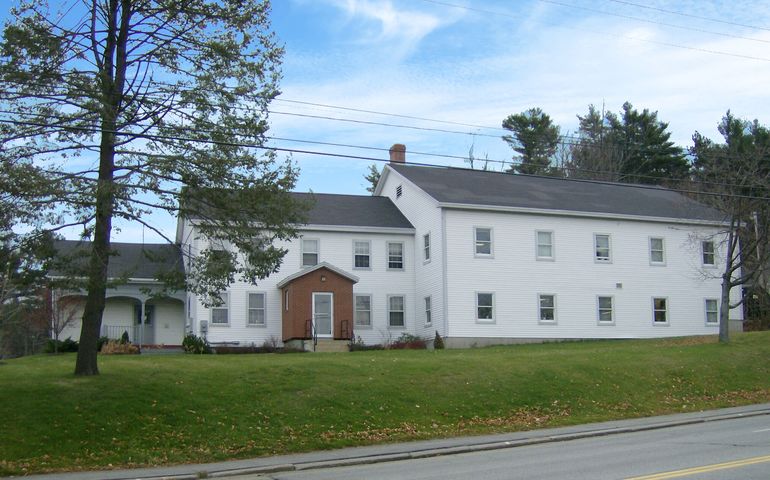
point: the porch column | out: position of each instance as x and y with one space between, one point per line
141 325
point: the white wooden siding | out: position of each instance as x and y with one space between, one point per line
423 213
517 277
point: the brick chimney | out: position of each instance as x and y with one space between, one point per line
398 153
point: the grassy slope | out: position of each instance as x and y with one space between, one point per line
152 410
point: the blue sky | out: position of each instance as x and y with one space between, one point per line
474 62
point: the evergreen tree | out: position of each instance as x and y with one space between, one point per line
373 177
535 139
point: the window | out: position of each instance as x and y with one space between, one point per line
485 307
363 314
659 310
657 252
606 311
395 256
219 314
428 319
309 252
483 239
361 254
544 245
256 313
712 311
707 248
426 247
396 311
286 300
602 248
547 308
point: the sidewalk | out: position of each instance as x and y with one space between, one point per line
405 451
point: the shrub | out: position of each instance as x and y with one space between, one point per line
115 347
124 338
68 345
101 342
358 345
408 341
195 344
438 342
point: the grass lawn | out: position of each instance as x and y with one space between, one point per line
156 410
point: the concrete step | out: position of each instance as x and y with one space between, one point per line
331 345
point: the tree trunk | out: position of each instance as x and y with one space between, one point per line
724 311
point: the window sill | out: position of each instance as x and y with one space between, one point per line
483 255
547 322
486 321
660 324
396 327
362 268
361 327
217 325
545 259
256 325
606 324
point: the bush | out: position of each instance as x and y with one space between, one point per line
408 341
195 344
115 347
101 342
60 346
124 338
438 342
358 345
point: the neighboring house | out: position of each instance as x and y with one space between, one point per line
481 258
132 306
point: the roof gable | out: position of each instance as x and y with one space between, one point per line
353 211
495 190
322 265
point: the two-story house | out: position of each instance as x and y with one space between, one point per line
481 258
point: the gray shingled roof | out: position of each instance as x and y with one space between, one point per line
132 260
353 211
475 187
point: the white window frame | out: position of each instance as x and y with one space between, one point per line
599 310
426 244
540 319
387 256
368 255
713 253
249 309
551 257
302 251
491 253
225 296
597 258
390 310
428 311
477 306
662 251
356 310
666 311
706 311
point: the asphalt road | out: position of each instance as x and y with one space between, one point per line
728 449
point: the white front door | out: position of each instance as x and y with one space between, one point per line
322 314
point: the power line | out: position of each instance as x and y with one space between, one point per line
359 157
689 15
645 20
599 32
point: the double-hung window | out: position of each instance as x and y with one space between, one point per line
428 319
546 306
426 247
395 255
256 311
363 313
309 252
483 241
712 311
707 251
485 307
606 310
219 313
396 312
602 251
544 245
361 254
657 251
660 311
